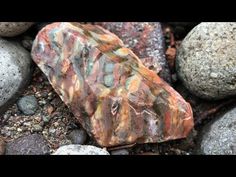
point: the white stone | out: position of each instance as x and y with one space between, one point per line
80 150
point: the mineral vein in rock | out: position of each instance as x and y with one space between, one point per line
110 92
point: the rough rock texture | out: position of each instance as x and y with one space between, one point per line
80 150
78 136
33 144
206 61
14 71
2 146
146 40
111 93
28 104
219 137
10 29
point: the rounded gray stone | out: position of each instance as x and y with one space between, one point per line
37 128
28 105
33 144
15 71
78 136
219 137
80 150
206 60
10 29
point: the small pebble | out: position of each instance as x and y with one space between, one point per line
28 105
174 77
37 95
50 96
42 102
45 133
6 116
50 109
78 136
41 124
38 119
28 124
19 129
24 129
51 130
56 124
46 119
44 94
37 128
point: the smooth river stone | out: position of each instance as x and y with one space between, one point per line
111 93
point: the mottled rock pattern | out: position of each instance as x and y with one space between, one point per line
15 69
28 104
80 150
146 40
10 29
78 136
111 93
206 60
219 136
33 144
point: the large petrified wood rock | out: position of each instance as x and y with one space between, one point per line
111 93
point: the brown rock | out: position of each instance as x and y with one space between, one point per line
111 93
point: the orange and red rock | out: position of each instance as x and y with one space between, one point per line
110 92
